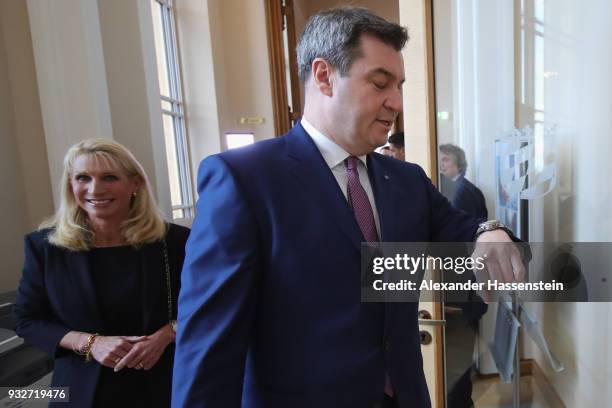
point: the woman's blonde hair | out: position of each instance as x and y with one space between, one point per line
145 221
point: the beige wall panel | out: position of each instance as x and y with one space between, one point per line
12 205
416 94
24 170
70 72
241 66
30 138
387 9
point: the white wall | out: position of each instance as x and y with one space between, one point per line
70 70
577 98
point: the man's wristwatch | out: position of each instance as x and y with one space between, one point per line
490 226
173 325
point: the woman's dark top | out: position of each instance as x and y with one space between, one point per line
117 270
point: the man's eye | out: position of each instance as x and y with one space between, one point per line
380 85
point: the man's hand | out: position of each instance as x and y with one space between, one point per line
145 353
502 259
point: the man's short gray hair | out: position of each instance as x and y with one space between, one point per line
334 36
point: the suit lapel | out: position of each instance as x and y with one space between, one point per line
379 181
311 170
386 195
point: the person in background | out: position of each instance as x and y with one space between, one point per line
462 316
100 283
396 144
386 151
453 184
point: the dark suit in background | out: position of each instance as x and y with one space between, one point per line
461 331
465 196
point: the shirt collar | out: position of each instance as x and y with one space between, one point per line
332 153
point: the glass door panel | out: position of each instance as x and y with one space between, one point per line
524 135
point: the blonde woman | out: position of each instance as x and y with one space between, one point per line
100 282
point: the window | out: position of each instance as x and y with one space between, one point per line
173 115
235 140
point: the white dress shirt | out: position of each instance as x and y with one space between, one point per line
334 156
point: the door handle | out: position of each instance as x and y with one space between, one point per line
432 322
426 320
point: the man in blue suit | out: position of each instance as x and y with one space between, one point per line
269 311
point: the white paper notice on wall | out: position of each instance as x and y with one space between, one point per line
527 164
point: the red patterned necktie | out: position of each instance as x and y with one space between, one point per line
359 201
364 215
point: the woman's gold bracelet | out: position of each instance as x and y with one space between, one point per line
86 351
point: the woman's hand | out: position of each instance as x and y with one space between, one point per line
147 351
109 350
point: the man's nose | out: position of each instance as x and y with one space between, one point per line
395 101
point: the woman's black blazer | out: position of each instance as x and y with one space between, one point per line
56 295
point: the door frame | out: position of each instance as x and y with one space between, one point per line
280 15
421 148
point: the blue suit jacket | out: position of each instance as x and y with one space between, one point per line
270 312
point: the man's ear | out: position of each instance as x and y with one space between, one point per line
322 76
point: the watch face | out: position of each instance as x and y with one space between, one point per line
491 224
173 325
